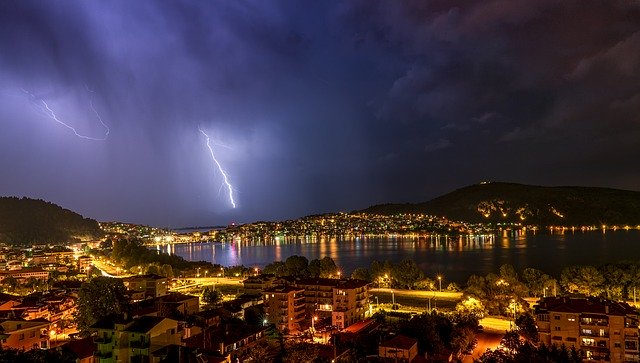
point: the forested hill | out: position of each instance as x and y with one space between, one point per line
527 204
25 221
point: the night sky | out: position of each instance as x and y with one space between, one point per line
311 106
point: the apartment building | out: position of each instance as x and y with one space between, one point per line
285 306
344 300
230 341
350 302
255 285
25 273
24 334
318 293
602 329
149 285
119 339
398 349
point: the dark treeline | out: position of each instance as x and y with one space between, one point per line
136 257
299 266
28 221
503 292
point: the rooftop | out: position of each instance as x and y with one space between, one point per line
283 289
399 342
591 305
144 324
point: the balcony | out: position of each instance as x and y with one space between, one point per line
103 355
139 344
594 322
595 334
103 340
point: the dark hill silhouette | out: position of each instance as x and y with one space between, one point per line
25 221
528 204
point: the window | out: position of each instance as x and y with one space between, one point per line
557 317
556 328
571 318
616 344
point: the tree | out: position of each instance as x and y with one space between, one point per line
328 267
277 268
314 268
211 297
10 282
297 266
617 277
407 273
453 287
300 352
527 327
98 298
585 280
535 281
167 271
260 352
426 284
511 341
361 273
379 270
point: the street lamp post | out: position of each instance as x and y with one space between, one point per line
198 272
393 300
440 282
513 305
313 324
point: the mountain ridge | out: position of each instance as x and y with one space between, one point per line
501 202
26 221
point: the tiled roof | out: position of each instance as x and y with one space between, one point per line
586 305
144 323
283 289
82 348
400 342
110 321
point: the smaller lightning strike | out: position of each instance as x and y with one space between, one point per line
44 108
224 174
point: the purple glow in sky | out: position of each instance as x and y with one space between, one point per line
325 106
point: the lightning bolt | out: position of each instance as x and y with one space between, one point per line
224 174
44 108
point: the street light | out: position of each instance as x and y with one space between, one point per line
313 325
440 282
198 272
513 305
205 273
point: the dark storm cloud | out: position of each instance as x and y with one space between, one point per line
320 107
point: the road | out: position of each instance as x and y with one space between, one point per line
108 270
486 340
415 298
496 324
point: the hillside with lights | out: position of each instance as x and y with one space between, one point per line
494 202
